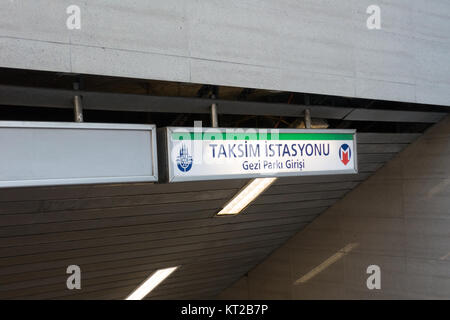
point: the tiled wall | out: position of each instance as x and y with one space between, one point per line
399 219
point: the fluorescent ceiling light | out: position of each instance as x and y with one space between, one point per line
245 196
445 256
151 283
335 257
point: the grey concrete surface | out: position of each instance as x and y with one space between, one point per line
316 46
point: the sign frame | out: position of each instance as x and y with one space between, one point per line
167 173
87 180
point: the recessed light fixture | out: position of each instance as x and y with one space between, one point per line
151 283
335 257
246 195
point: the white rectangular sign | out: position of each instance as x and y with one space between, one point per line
220 153
59 153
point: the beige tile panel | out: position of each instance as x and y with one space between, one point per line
371 198
278 264
316 240
427 246
238 290
398 219
312 290
263 287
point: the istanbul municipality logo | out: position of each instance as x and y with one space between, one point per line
184 159
345 153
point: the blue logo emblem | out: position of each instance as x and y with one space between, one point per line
345 153
184 159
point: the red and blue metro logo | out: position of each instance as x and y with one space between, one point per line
345 153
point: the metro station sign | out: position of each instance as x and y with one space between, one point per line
228 153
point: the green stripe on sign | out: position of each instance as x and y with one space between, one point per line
260 136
